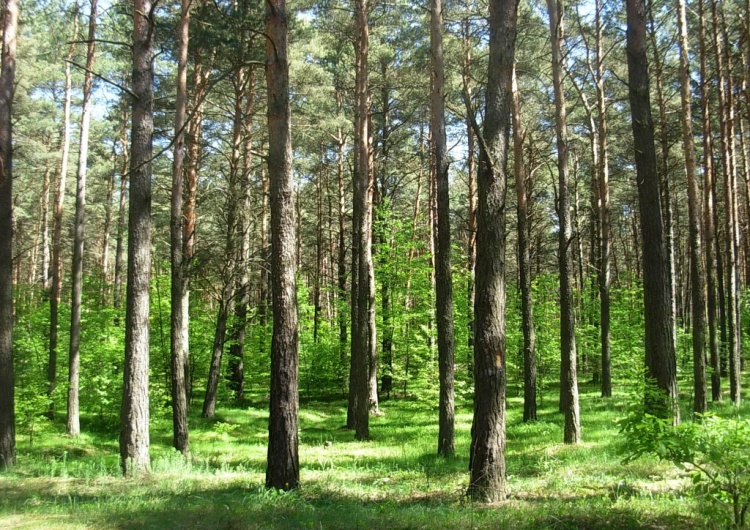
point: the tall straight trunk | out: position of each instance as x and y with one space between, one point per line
317 286
697 267
731 232
665 172
443 276
179 324
107 228
372 343
56 265
7 376
568 376
242 296
524 262
134 418
661 366
361 243
283 460
45 229
709 228
604 207
121 222
74 361
487 458
341 257
727 145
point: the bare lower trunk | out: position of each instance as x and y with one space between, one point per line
7 376
660 354
283 460
487 458
524 262
73 423
179 325
134 418
697 267
568 374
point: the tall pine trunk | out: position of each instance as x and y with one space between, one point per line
487 458
74 362
134 418
179 288
661 366
7 376
283 460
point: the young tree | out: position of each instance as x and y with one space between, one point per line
568 375
74 361
134 417
7 379
180 294
443 277
487 459
660 354
282 471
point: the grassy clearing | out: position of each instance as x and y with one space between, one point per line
394 481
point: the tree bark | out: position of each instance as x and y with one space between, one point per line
568 375
56 265
524 262
7 376
487 459
359 389
697 267
134 418
660 360
74 361
283 460
180 299
604 207
443 276
709 228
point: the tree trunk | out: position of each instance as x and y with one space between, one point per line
524 262
179 325
697 268
45 229
56 265
120 244
359 390
660 354
283 460
471 173
74 362
568 376
604 220
107 228
341 259
134 419
487 459
7 376
443 276
709 228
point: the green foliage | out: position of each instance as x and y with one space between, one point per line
714 449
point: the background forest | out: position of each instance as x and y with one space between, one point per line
369 175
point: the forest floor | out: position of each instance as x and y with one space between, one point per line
394 481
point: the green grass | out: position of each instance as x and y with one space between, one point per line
394 481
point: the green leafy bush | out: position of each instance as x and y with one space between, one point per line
714 449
